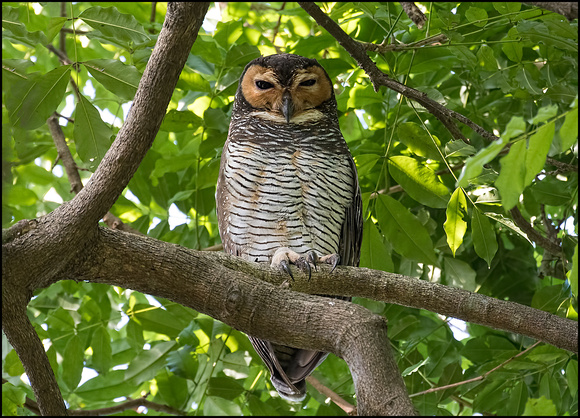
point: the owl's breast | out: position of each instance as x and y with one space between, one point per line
293 194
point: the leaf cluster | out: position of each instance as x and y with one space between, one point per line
435 207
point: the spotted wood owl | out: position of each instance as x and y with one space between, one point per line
287 191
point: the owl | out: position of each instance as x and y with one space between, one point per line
287 191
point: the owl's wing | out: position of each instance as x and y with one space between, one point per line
351 231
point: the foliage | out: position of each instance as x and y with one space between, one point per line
508 67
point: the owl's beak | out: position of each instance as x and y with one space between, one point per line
287 106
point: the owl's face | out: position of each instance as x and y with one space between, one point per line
285 88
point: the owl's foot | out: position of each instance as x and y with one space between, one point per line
332 259
283 257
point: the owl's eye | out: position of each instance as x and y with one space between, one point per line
264 85
310 82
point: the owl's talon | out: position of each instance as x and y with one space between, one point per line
312 258
332 259
285 266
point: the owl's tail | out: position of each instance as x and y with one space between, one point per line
295 392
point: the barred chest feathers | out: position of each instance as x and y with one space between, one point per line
285 186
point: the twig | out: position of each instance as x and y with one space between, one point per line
533 235
378 78
334 397
382 48
414 13
478 378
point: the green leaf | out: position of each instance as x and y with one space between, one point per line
102 355
459 274
118 28
511 180
92 135
538 147
365 162
458 148
477 16
179 121
14 29
512 47
183 362
545 113
573 273
419 181
33 101
118 78
419 141
509 223
484 240
404 231
373 253
569 130
517 400
538 32
507 7
224 387
145 366
487 59
157 320
572 375
361 95
72 366
105 387
220 406
12 364
474 165
455 225
540 407
551 191
13 397
548 298
516 126
240 55
173 389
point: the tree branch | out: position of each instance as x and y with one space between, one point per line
226 288
136 136
478 378
524 225
568 9
39 252
414 13
378 78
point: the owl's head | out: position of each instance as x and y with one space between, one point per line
286 88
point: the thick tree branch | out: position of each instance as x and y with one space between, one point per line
24 339
344 281
180 29
378 78
416 293
36 253
214 283
568 9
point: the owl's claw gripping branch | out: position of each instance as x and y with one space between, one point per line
332 259
283 257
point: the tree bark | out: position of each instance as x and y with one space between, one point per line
45 250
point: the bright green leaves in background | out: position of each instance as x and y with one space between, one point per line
509 67
455 225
